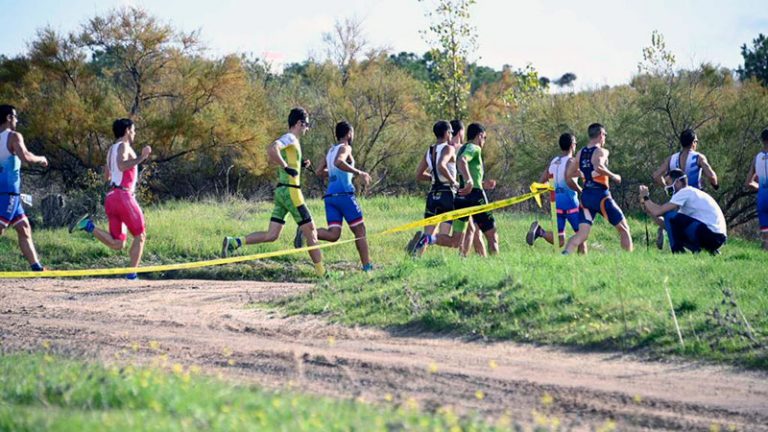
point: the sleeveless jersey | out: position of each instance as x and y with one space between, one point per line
565 197
692 169
761 170
10 167
125 180
586 167
437 179
339 181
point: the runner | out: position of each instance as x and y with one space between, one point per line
286 154
340 202
13 151
692 163
120 205
472 193
596 197
439 166
566 194
758 179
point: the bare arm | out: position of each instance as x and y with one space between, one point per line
127 160
661 172
463 167
341 163
751 178
651 207
274 156
571 180
708 171
18 148
322 169
601 167
544 177
421 171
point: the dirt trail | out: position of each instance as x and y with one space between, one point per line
205 323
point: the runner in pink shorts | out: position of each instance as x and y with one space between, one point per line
120 204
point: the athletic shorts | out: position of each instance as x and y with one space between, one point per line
290 200
123 211
599 201
571 216
340 207
439 202
762 210
484 220
11 210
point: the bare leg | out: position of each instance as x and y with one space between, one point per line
477 241
428 230
493 241
137 248
272 233
583 248
624 235
765 240
446 239
361 243
310 233
331 234
550 238
24 230
577 239
107 239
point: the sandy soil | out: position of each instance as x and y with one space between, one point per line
208 323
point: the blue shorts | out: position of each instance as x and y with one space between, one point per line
762 209
571 216
11 211
342 207
599 201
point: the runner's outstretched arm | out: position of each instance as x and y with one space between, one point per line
708 172
19 149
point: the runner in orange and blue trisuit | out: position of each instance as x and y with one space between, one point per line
12 153
758 179
596 197
340 201
566 194
285 152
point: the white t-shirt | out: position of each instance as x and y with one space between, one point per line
700 206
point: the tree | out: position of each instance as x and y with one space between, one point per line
566 80
755 61
453 39
345 43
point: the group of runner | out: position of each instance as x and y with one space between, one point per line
692 219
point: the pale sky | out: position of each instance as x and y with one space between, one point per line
600 41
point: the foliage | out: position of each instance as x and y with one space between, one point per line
755 61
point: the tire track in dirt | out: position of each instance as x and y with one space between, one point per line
207 324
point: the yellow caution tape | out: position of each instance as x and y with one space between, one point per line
536 190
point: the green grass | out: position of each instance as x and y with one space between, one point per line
607 300
43 392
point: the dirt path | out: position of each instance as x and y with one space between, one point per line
205 323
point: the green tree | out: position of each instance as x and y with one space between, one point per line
755 61
452 38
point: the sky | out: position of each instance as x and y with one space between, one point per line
600 41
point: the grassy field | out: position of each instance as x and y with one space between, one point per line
607 300
44 392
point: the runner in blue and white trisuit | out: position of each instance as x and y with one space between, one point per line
12 153
695 166
758 179
596 197
340 202
566 194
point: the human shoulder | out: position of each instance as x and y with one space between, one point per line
683 195
287 139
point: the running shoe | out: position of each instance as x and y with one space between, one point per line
412 243
367 267
228 246
660 238
298 239
421 244
81 224
532 233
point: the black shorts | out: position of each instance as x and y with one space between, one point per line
439 202
476 197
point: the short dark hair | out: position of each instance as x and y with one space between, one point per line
5 111
457 126
440 128
566 140
593 131
474 130
764 135
342 129
296 115
687 137
121 126
675 174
